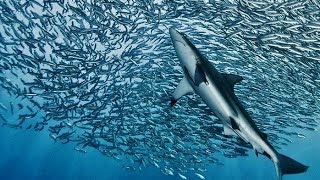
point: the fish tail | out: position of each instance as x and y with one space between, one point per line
286 165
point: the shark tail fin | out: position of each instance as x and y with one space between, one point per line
286 165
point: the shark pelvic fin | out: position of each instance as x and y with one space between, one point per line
232 78
182 89
234 124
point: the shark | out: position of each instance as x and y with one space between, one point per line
217 91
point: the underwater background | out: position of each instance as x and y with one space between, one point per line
85 88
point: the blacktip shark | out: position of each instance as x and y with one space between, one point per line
217 91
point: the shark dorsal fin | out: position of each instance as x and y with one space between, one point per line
264 135
232 78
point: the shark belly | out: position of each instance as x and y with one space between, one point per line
227 109
215 100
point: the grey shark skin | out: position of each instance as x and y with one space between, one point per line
216 90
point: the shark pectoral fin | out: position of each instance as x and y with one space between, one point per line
232 78
199 76
234 124
182 89
228 131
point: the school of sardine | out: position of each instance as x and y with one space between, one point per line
99 74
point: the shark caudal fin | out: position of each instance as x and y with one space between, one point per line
286 165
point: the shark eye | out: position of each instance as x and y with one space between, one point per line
184 35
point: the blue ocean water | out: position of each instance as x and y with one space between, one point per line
85 88
31 155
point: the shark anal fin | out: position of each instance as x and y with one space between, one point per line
183 88
266 154
256 152
234 124
199 75
232 78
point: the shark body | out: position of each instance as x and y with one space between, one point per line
217 91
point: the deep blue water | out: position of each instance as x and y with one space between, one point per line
31 155
106 71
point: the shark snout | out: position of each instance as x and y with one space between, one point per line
176 35
173 32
